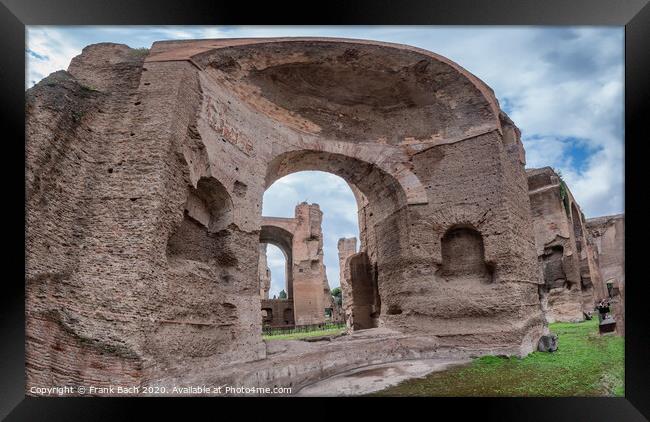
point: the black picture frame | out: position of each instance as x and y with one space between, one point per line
633 14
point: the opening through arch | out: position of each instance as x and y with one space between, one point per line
375 199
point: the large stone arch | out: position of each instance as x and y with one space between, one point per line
423 142
301 239
274 232
369 183
381 199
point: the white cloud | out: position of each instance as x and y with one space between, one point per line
52 44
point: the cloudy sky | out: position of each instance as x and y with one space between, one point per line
562 86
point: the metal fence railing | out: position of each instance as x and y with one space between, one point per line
277 331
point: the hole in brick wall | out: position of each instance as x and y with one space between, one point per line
394 310
240 188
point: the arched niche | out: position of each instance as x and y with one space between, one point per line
201 234
463 255
283 239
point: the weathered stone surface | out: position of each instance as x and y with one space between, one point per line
346 247
264 273
301 240
278 312
608 233
145 178
568 260
368 379
365 304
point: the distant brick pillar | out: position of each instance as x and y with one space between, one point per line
264 273
347 247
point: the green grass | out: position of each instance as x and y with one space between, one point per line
299 336
585 364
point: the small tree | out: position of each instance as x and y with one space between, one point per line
337 295
282 294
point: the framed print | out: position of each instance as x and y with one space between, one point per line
429 200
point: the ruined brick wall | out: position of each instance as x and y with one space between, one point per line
119 275
79 158
619 310
278 313
279 232
365 306
476 184
346 248
609 237
564 247
307 283
593 286
608 234
337 316
145 179
310 287
264 273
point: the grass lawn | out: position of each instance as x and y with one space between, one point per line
585 364
299 336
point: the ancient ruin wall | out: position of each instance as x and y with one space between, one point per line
365 306
593 286
474 185
608 233
609 237
278 313
310 280
264 273
145 183
346 248
307 284
564 247
122 269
